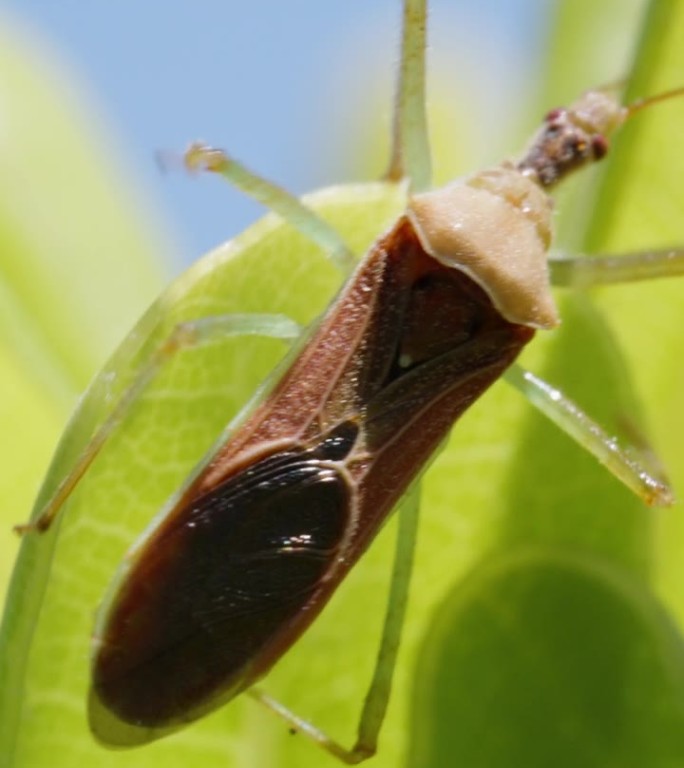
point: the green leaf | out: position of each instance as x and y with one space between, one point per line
172 425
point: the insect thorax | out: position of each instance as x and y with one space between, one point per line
496 227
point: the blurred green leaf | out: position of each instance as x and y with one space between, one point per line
593 672
78 263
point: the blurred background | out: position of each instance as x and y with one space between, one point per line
293 89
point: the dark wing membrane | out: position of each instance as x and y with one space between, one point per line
210 590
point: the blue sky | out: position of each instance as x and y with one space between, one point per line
280 84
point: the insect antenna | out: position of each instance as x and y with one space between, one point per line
649 101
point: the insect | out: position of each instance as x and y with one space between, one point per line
249 551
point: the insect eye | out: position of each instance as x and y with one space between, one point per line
599 146
554 114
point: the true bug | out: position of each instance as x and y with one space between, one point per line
326 454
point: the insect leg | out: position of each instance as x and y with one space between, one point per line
587 271
587 433
410 156
183 336
200 157
377 697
